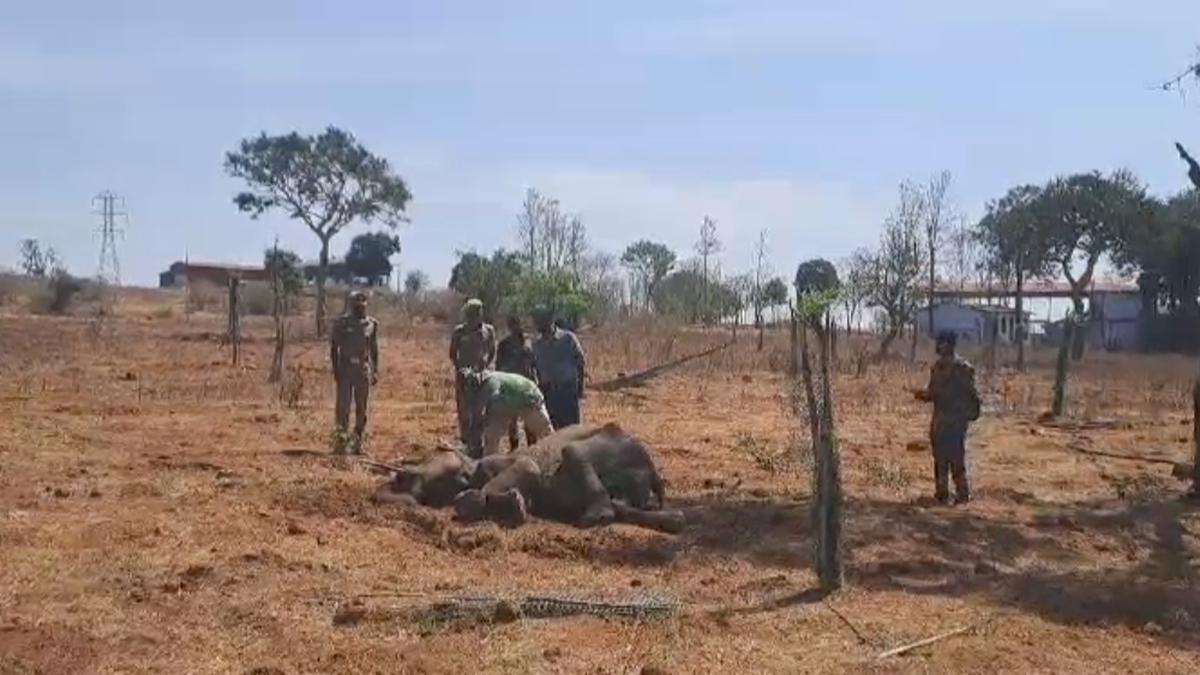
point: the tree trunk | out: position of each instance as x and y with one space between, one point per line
1079 334
832 329
234 331
912 350
827 479
322 273
794 361
885 347
1020 314
279 313
810 396
1062 367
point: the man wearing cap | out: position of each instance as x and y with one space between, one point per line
472 347
955 405
500 399
354 355
514 355
558 358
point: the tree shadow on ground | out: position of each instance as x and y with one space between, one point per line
1043 562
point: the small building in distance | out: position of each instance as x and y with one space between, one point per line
973 323
336 273
181 273
1114 309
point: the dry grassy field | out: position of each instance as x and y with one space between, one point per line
163 511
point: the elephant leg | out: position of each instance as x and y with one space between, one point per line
489 467
504 498
585 482
388 494
671 522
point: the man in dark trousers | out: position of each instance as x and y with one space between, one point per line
354 355
514 355
561 368
955 405
472 347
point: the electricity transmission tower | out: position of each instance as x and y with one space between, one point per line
109 206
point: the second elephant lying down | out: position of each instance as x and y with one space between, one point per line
585 475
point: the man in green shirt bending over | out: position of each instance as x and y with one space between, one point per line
500 399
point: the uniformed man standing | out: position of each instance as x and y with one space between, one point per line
354 355
561 368
955 405
514 355
472 347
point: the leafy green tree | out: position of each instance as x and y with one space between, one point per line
326 181
816 276
775 293
649 262
1165 249
1084 216
285 268
492 280
556 289
1014 239
370 255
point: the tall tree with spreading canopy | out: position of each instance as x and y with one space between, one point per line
648 262
370 255
1084 216
326 181
1014 241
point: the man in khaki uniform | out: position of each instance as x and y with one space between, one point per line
956 404
472 348
354 354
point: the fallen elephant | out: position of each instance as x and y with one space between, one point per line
584 475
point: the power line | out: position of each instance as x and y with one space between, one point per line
109 206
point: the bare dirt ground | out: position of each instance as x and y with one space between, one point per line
162 511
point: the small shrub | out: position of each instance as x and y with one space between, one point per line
56 295
203 297
257 299
291 389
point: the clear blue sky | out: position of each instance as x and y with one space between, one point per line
640 116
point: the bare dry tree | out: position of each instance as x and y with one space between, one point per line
762 272
707 246
938 214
